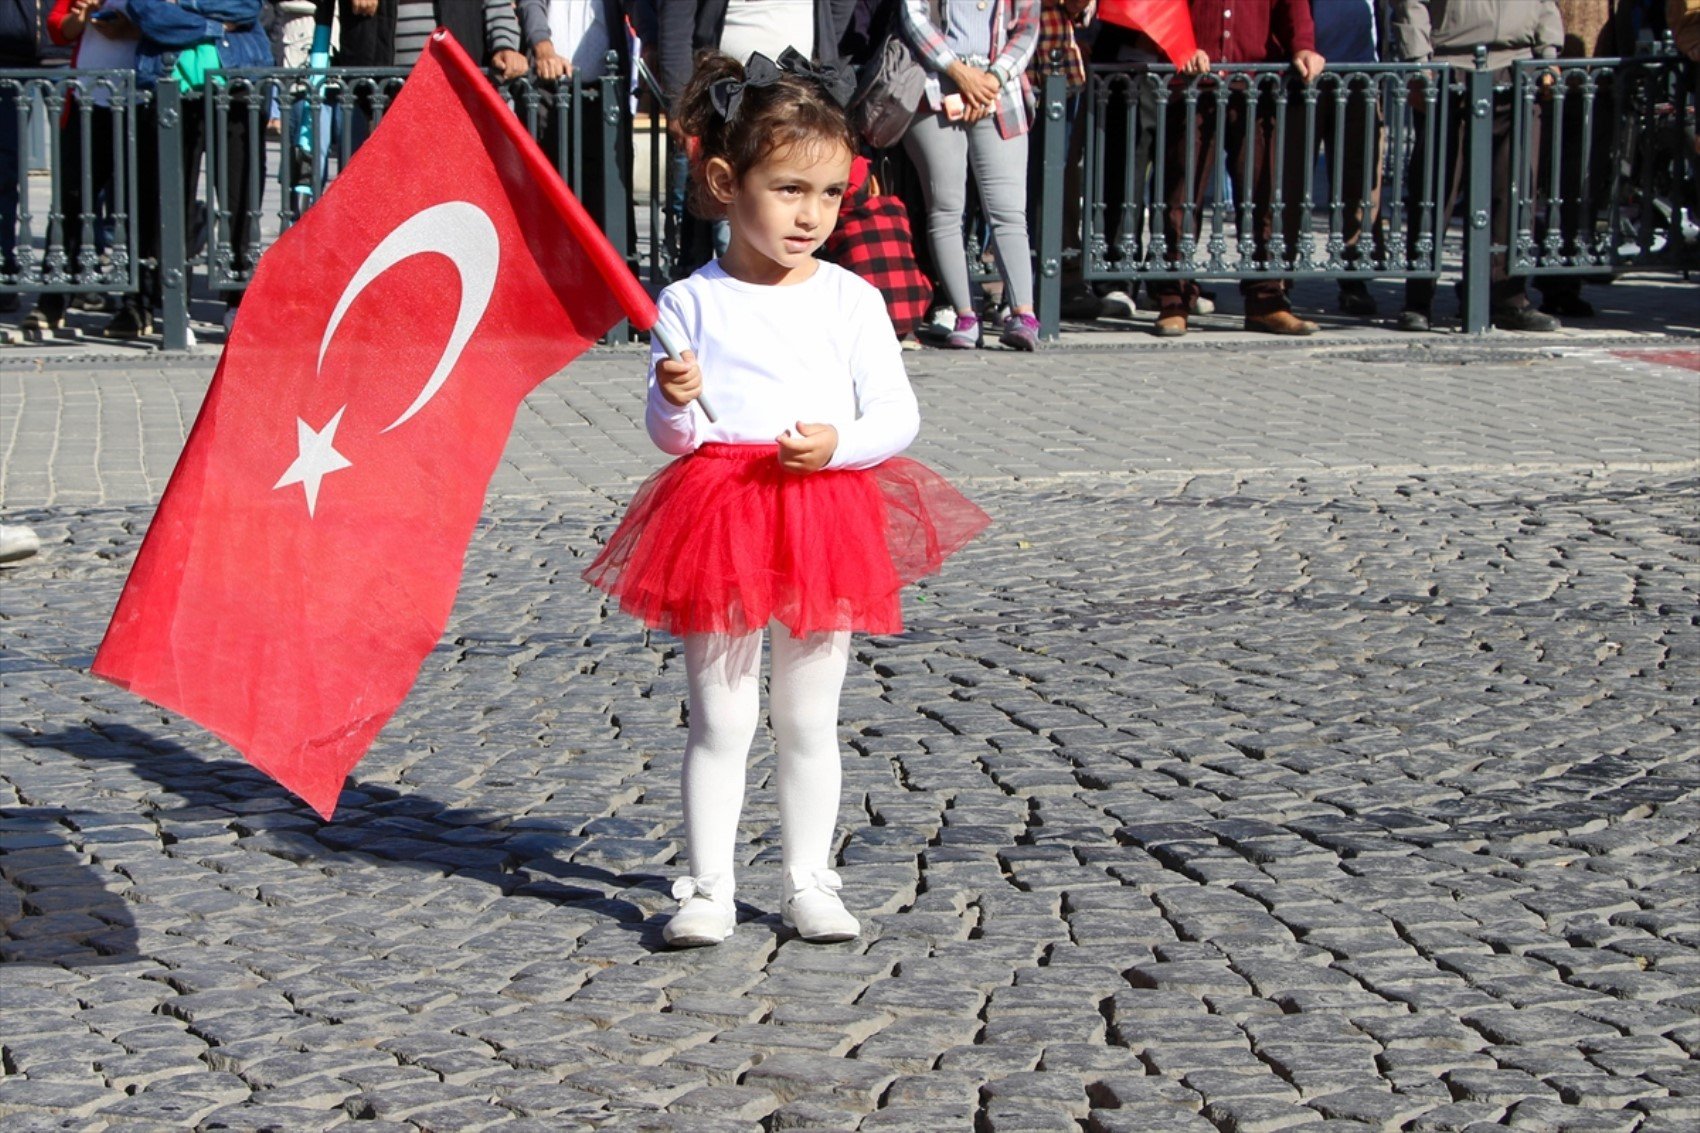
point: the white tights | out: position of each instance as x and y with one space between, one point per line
725 676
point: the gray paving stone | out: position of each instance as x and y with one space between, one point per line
1147 1119
1323 742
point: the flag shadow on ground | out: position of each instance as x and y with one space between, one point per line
376 822
56 907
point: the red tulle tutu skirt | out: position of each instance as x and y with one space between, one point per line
725 540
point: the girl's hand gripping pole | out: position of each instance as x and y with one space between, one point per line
676 352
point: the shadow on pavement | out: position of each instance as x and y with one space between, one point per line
524 857
56 906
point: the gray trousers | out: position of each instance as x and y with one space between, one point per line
942 152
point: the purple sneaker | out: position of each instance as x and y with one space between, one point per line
1020 332
966 336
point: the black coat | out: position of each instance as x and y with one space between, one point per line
20 33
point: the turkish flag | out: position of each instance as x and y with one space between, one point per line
1167 22
307 550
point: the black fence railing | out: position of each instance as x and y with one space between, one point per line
1244 173
1612 169
84 238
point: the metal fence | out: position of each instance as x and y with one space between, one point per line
1612 167
1240 174
1247 173
84 240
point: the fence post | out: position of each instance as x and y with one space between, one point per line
1055 141
1478 228
616 170
173 267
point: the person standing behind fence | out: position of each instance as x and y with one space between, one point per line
739 28
1130 111
976 114
1449 31
1347 32
1229 34
96 45
1592 30
20 46
570 39
392 33
180 43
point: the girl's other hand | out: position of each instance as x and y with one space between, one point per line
681 381
807 448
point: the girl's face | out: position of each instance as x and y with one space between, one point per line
781 211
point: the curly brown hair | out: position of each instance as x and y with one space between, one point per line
794 111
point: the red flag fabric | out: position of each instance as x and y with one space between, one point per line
1167 22
305 555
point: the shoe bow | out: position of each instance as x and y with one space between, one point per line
825 879
687 887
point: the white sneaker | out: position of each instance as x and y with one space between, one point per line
811 906
1119 304
17 542
704 917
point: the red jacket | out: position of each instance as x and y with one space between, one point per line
1252 31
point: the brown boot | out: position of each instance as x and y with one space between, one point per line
1281 322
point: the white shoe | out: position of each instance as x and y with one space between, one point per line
703 917
811 906
1203 305
1119 304
17 542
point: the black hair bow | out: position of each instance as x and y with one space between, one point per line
727 95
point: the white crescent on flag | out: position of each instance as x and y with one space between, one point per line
459 230
465 234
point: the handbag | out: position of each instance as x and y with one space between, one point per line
892 86
889 89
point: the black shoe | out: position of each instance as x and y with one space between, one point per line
1524 319
43 319
1569 306
129 322
1081 303
1356 300
1413 321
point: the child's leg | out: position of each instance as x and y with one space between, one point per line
808 674
724 678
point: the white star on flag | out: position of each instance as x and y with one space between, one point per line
315 458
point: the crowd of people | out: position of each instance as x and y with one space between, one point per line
968 136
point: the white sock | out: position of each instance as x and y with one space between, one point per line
808 674
725 699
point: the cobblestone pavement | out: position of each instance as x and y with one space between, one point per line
1309 744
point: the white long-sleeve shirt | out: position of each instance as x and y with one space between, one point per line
818 351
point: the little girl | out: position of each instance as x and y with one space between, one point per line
788 505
